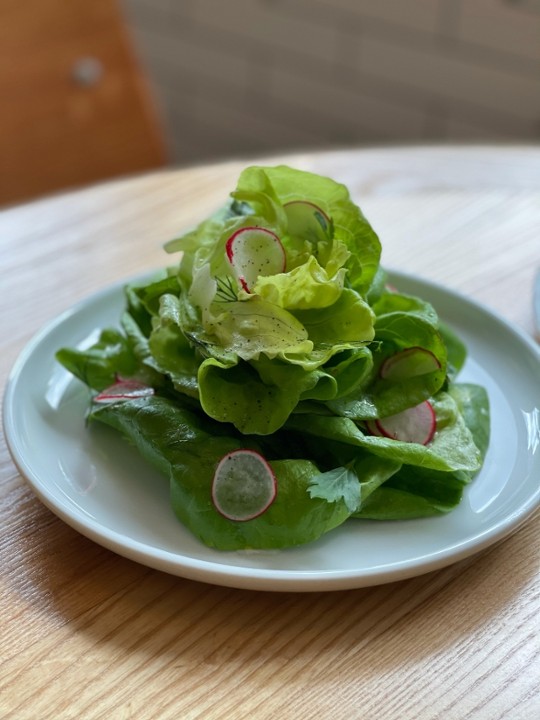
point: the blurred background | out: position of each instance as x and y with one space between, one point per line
96 90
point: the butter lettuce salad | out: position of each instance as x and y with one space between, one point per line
278 382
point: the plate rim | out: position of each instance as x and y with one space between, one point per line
256 578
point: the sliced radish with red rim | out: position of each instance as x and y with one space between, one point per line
409 363
414 425
305 217
244 485
371 427
124 390
255 251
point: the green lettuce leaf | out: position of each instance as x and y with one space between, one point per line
259 396
305 286
292 368
350 227
255 326
187 448
397 329
451 449
348 320
99 365
170 351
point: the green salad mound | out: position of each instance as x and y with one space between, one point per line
278 381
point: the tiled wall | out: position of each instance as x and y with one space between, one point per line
241 77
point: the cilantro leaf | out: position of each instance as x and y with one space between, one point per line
338 484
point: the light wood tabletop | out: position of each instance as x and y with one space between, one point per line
86 633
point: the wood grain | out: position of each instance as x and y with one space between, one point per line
88 634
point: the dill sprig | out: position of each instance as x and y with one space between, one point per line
225 290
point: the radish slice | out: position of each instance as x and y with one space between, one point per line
124 390
414 425
254 251
304 217
409 363
371 427
244 485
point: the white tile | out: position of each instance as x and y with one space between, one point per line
187 54
211 129
303 36
179 7
348 105
464 131
415 14
468 123
139 12
256 76
269 25
250 122
335 131
248 19
502 26
444 75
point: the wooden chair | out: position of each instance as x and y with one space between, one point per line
74 106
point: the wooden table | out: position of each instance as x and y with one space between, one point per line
88 634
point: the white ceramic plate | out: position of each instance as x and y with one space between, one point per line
97 484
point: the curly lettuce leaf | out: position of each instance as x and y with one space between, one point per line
307 286
348 320
258 397
350 227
